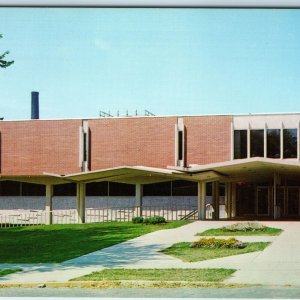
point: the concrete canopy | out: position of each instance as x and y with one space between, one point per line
252 168
124 174
255 168
138 174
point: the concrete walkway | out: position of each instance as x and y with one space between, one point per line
277 264
142 252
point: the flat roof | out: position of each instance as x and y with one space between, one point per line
158 116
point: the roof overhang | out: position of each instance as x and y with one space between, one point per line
235 170
255 167
137 174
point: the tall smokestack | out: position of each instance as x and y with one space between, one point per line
34 105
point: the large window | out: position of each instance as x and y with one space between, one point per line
289 143
121 189
245 199
10 188
273 143
240 144
30 189
67 189
157 189
184 188
97 188
180 145
257 143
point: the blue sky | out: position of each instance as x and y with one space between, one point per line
169 61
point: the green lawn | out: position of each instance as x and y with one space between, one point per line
57 243
8 271
184 252
158 275
222 232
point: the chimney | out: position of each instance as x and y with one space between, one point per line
34 105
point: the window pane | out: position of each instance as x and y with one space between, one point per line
184 188
67 189
10 188
289 143
273 143
245 199
157 189
180 140
257 143
97 188
30 189
121 189
240 144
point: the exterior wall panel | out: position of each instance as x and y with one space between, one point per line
34 147
208 139
133 142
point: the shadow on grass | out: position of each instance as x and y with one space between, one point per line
58 243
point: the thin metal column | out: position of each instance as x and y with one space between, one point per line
227 199
248 141
233 203
232 141
274 196
298 141
265 141
281 141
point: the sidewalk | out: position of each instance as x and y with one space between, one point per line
142 252
277 264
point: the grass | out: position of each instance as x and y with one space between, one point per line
57 243
4 272
184 252
222 232
212 275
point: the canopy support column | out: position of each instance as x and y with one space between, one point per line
48 207
80 202
201 200
139 199
215 199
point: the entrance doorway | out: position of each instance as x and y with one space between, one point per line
263 200
292 202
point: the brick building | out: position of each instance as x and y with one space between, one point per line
235 166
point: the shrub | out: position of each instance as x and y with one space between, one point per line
248 226
155 220
151 220
137 220
218 243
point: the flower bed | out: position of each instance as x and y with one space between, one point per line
218 243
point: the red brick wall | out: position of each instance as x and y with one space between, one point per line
208 139
37 146
132 141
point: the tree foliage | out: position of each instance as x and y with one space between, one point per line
4 63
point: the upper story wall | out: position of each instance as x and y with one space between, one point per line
271 121
273 136
37 146
208 139
151 141
142 141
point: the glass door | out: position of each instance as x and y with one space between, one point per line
292 207
263 200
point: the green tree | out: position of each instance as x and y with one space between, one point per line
4 63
